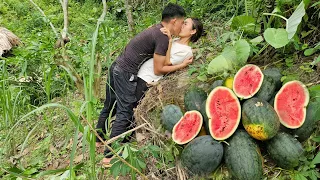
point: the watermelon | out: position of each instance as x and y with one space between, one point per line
228 83
170 115
193 99
310 124
290 104
275 74
202 156
216 84
260 119
243 158
285 150
247 81
224 112
267 89
187 128
204 116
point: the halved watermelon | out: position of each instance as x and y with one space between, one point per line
187 128
290 104
224 112
247 81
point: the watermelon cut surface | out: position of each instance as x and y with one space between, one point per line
224 112
290 104
187 128
247 81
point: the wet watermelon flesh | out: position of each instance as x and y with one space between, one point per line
290 104
187 128
224 112
247 81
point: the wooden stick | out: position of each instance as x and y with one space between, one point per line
125 133
113 152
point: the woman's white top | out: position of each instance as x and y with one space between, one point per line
179 52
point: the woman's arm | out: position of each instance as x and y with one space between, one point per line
161 69
168 54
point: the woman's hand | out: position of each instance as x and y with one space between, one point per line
187 61
166 32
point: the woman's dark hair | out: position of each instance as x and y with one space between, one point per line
172 11
197 25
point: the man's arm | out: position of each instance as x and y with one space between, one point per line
160 68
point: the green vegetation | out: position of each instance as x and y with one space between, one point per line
50 97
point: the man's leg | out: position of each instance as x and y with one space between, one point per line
125 87
108 105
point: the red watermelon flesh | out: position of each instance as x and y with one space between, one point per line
247 81
188 127
290 104
224 112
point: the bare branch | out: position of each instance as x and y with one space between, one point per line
53 28
64 5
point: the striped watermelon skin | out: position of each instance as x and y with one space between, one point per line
243 158
285 150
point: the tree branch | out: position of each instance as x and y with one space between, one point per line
64 5
52 27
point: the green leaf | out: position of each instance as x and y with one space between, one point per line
256 40
316 160
142 164
316 139
247 23
218 64
276 37
30 171
243 51
309 52
299 177
115 169
294 20
125 153
316 61
202 77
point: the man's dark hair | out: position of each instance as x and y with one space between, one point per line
197 25
172 11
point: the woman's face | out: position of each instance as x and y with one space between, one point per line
186 29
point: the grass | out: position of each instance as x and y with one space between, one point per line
42 133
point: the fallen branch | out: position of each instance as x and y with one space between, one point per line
123 134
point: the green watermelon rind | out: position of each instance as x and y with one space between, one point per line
196 133
171 114
285 150
304 105
235 81
209 115
243 158
202 156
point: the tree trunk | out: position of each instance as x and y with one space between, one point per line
128 6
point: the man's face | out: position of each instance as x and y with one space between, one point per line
177 26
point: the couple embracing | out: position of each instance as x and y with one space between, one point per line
149 56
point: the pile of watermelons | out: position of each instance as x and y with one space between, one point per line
270 113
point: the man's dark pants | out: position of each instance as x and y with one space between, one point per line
126 89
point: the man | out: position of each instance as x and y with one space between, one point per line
123 80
